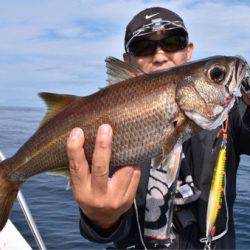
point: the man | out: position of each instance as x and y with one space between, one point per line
123 209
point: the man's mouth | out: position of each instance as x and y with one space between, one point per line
158 69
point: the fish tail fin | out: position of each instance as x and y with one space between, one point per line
8 194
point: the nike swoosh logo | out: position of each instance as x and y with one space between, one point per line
149 16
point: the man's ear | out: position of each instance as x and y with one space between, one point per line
190 51
126 57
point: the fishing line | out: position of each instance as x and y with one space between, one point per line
138 224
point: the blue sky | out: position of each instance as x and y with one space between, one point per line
60 45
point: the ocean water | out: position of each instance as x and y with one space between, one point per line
54 209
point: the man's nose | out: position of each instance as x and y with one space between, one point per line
159 56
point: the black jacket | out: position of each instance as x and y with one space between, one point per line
200 159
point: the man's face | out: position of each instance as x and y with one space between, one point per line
160 60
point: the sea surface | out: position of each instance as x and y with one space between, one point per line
53 207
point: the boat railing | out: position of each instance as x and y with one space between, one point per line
28 216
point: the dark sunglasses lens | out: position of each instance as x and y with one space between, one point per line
142 47
174 43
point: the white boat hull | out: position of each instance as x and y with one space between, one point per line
11 239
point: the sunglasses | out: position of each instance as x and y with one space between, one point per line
146 47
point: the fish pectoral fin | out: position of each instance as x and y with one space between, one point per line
172 164
156 161
55 104
118 70
64 173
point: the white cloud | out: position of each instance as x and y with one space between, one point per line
60 45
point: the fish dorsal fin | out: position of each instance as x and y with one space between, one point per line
118 70
55 103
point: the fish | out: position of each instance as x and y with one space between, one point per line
149 114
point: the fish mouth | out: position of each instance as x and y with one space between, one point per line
233 88
211 123
241 70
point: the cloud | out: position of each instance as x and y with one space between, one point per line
60 45
220 27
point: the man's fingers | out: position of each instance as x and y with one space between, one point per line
132 188
121 179
101 159
78 165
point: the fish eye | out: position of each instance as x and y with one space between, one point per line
217 73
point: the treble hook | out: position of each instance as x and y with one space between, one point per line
207 247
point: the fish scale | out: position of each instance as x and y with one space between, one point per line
144 118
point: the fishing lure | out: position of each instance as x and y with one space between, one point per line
217 189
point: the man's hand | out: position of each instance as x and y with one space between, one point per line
245 87
102 199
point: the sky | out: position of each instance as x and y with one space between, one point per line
60 45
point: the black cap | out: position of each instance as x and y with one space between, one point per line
150 20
